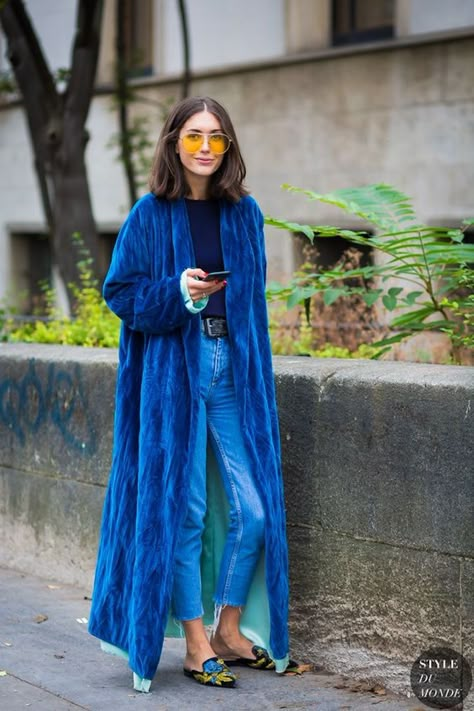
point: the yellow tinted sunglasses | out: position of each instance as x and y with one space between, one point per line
218 142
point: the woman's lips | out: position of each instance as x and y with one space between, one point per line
204 161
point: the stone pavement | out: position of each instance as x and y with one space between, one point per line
55 665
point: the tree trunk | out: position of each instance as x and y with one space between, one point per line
183 21
72 209
56 125
124 96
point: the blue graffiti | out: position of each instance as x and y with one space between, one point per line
27 405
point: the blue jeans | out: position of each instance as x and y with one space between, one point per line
218 418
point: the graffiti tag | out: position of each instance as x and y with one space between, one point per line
28 404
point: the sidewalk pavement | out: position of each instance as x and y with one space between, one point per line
55 665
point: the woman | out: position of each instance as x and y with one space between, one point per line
194 369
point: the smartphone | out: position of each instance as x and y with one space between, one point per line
213 276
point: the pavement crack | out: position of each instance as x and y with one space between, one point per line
47 691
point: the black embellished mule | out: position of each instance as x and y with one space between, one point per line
214 673
261 660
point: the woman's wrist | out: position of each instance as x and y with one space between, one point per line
193 306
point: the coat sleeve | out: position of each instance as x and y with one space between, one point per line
154 306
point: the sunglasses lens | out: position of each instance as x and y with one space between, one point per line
218 143
192 142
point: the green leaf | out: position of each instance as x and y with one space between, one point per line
331 295
380 352
456 235
294 298
412 296
291 226
379 203
413 317
361 237
275 286
430 325
389 301
468 221
370 297
299 294
392 339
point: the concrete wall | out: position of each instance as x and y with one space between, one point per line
379 471
56 410
379 482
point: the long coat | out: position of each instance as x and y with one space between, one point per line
155 430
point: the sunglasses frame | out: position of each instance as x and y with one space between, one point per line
204 135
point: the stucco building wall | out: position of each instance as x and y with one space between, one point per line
402 115
308 114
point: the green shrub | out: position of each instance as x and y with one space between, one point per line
91 324
298 340
463 310
429 265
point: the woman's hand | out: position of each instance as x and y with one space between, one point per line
200 289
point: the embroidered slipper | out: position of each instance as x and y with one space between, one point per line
295 668
262 661
214 673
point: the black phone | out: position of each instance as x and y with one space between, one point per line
212 276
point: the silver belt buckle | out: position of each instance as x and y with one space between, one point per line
214 327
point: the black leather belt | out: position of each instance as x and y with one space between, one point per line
214 326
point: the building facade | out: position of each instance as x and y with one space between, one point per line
324 94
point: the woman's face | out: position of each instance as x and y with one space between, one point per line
203 163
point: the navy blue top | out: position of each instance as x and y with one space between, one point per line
204 221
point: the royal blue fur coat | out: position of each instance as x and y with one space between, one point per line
155 429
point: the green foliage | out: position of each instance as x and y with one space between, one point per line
431 263
132 142
61 77
3 320
463 309
7 82
286 342
135 143
92 323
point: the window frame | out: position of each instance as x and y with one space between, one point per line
355 36
136 66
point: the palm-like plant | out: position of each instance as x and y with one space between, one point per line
429 264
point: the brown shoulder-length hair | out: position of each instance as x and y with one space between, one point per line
167 178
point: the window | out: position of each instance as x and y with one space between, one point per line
137 36
31 271
346 322
105 246
32 268
326 252
362 20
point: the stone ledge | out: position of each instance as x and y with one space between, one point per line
379 482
